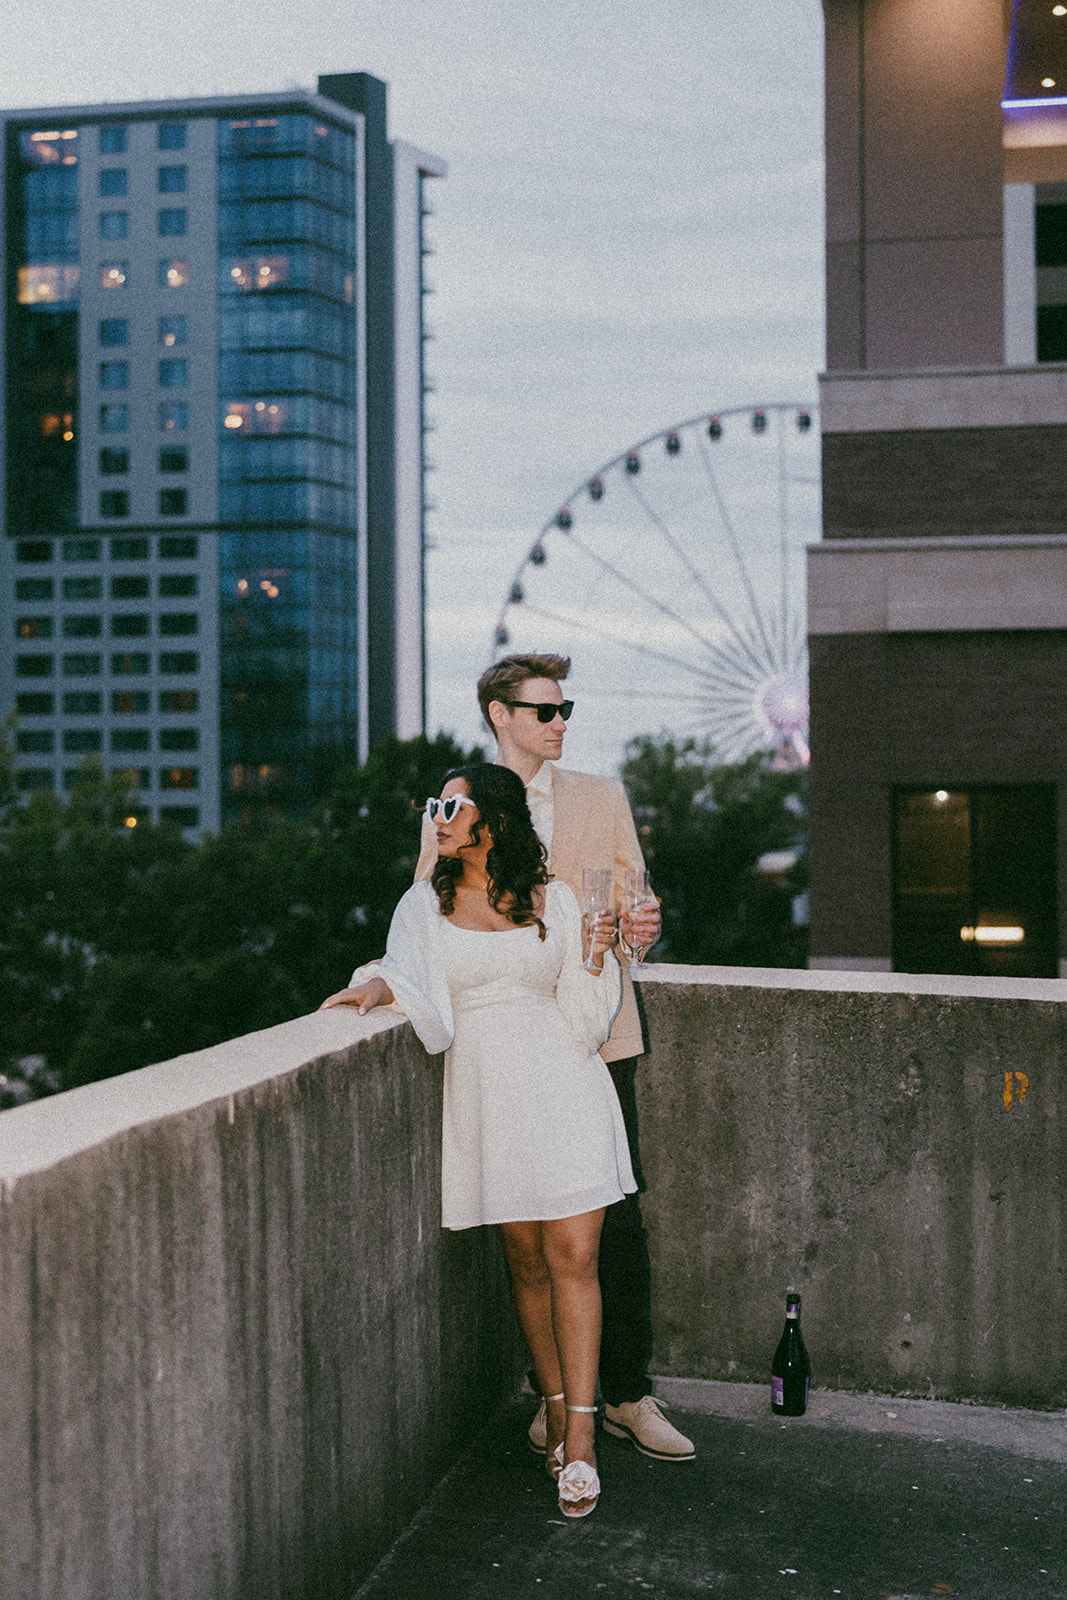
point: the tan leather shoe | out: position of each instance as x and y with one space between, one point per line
538 1431
643 1423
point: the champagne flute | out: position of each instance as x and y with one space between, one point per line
597 896
637 895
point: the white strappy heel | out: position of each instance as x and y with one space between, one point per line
578 1481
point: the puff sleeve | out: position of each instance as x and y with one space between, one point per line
412 969
589 1003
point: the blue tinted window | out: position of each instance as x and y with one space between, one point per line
173 374
114 374
173 416
115 503
114 419
172 222
113 180
113 139
171 136
114 224
172 180
173 330
114 330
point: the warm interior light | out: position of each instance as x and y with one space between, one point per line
1059 11
991 935
131 822
1048 83
941 796
232 421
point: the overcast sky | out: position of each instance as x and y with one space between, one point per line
630 232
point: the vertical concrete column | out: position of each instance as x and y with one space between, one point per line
914 183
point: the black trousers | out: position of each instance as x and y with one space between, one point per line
625 1274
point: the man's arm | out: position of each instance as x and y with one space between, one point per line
427 851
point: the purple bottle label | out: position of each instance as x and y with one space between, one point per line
777 1391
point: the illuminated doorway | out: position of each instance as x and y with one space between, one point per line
974 880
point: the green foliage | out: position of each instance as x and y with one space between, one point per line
703 827
122 946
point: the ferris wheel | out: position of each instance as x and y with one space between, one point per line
673 576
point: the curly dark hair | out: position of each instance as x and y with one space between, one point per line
516 858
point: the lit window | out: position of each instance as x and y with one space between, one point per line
171 136
114 330
178 700
173 502
114 274
173 274
44 705
115 503
114 419
258 272
173 330
256 416
114 375
114 224
179 662
172 222
33 627
56 426
179 778
113 462
113 181
113 139
132 664
173 374
174 460
173 416
172 180
47 285
131 702
82 703
50 147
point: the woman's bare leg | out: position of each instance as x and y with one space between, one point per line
531 1287
570 1247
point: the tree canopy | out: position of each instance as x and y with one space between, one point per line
123 945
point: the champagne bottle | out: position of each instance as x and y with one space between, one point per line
791 1367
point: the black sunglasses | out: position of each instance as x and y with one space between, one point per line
546 709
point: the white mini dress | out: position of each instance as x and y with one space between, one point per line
532 1128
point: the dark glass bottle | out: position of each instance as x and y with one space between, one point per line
791 1367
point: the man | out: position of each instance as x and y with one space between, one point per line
585 822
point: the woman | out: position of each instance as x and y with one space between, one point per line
486 962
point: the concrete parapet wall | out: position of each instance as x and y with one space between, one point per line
892 1146
237 1348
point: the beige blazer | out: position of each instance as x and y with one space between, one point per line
591 827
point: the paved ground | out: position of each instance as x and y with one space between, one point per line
864 1496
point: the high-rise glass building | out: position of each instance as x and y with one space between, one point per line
212 378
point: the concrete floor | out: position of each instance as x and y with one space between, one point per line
864 1496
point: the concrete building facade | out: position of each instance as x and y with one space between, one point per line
938 593
212 378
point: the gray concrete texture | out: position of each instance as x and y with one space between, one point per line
863 1497
895 1155
237 1349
